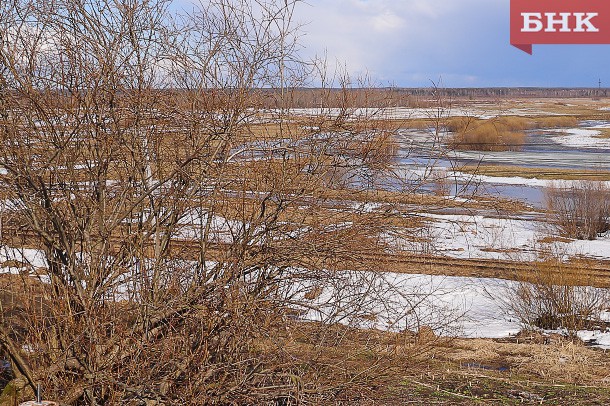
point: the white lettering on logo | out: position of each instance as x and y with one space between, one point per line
533 22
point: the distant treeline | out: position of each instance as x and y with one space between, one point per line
218 99
413 97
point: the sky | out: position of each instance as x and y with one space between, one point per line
452 43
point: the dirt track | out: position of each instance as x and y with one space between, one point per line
578 271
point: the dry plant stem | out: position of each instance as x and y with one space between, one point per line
16 359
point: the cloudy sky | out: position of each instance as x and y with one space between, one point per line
463 43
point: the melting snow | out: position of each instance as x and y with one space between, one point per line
452 306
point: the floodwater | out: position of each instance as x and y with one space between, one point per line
542 149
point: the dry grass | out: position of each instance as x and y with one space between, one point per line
556 122
377 151
461 124
503 133
582 108
404 123
271 171
487 136
515 123
449 372
269 131
562 360
419 124
554 239
603 133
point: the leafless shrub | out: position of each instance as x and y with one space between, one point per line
582 208
551 296
176 218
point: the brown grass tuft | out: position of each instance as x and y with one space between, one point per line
503 133
515 123
487 136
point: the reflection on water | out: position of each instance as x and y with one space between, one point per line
541 150
530 195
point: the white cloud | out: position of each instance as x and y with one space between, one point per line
388 38
386 22
400 41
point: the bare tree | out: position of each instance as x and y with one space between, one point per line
181 227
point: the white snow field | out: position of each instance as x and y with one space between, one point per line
392 113
452 306
474 236
588 136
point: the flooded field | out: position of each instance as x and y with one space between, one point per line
576 149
